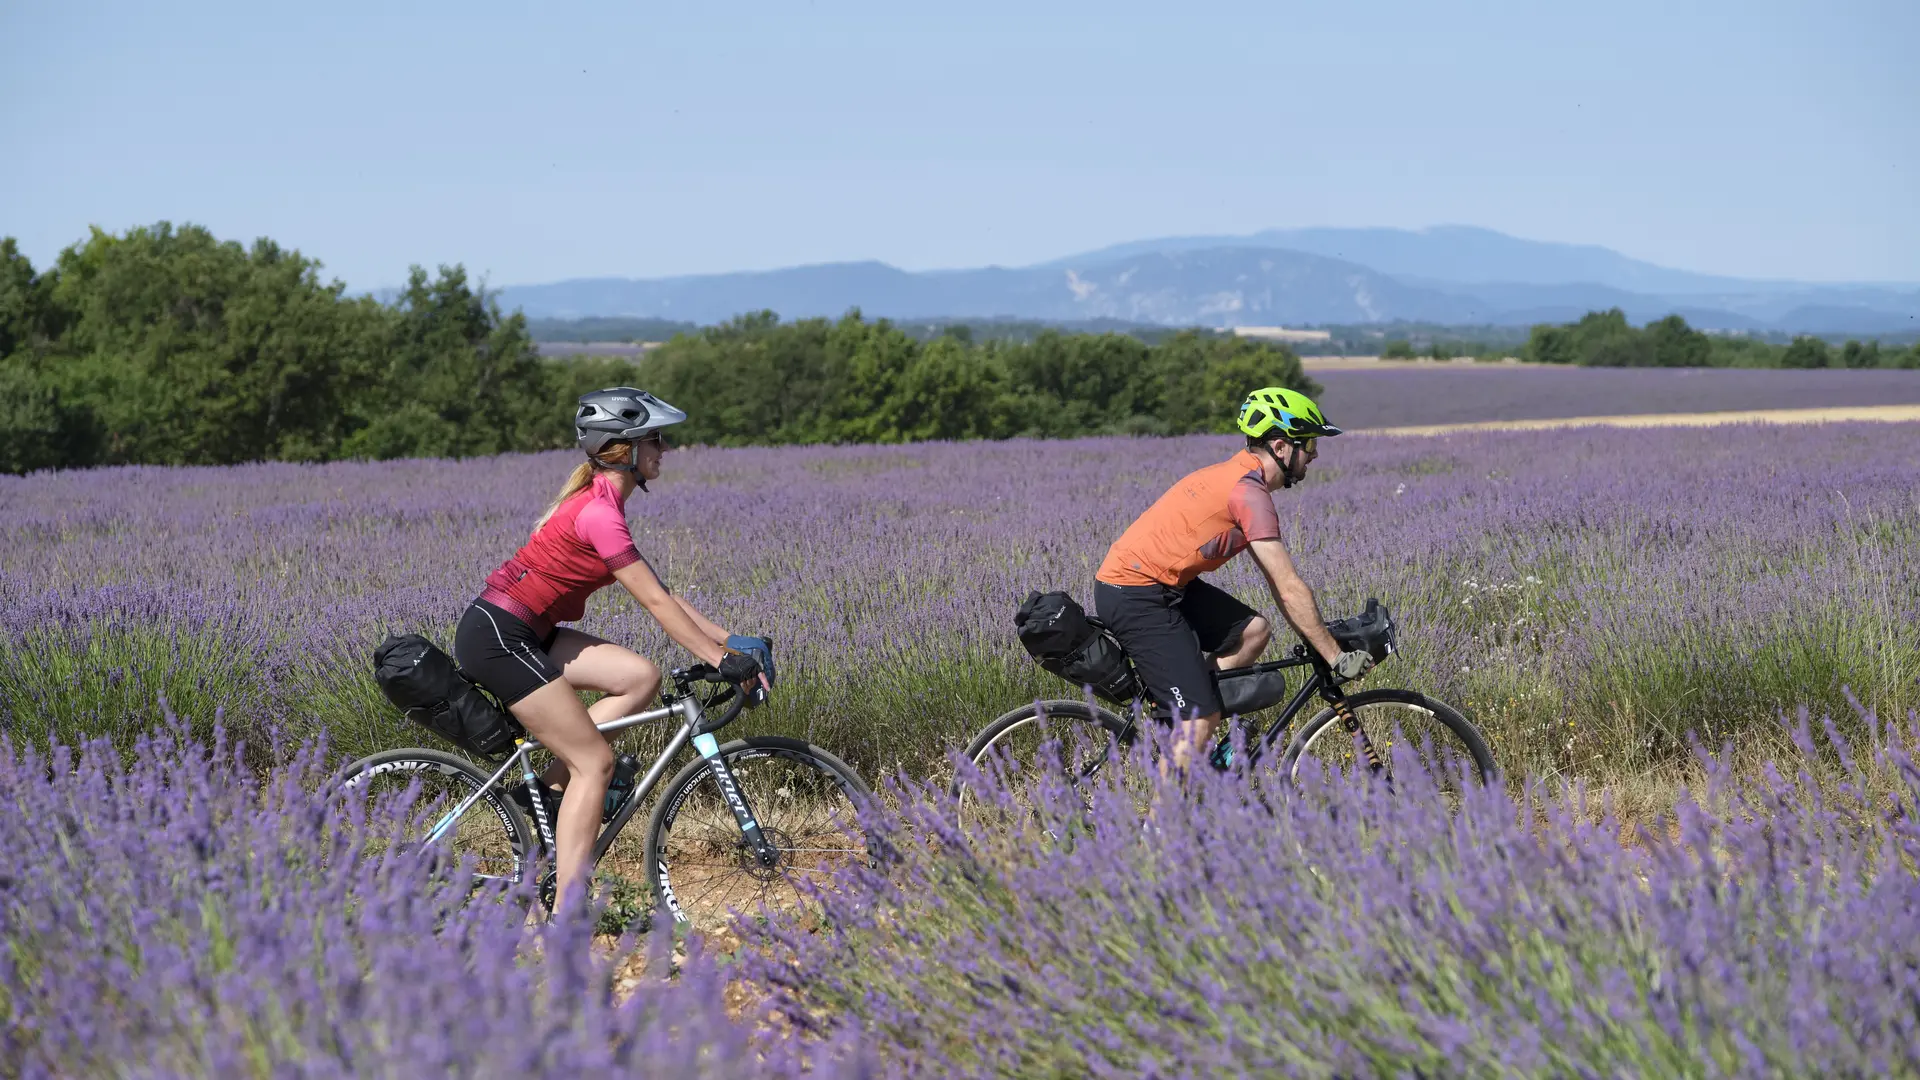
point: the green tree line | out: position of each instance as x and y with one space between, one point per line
1606 339
756 380
168 346
607 328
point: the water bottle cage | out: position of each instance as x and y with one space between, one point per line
626 770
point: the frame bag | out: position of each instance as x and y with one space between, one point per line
424 682
1251 692
1056 632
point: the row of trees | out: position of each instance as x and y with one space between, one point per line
168 346
1606 339
1443 349
756 380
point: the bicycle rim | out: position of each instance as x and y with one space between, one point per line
1015 755
1408 733
488 833
807 804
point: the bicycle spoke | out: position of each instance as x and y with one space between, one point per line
1403 737
1065 749
478 835
803 813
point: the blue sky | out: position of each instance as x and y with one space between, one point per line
1760 138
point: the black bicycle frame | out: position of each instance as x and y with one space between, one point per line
1320 683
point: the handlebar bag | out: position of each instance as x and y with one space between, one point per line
1371 630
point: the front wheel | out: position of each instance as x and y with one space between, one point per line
491 830
808 805
1444 743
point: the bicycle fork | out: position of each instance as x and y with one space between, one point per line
1351 722
763 850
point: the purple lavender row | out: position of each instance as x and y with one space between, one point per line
173 913
1631 584
1459 394
1768 928
177 915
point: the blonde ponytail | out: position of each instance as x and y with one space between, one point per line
614 453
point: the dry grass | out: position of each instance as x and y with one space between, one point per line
1830 414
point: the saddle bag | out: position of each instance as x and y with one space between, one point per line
423 682
1056 632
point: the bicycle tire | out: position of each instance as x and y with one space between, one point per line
1448 718
1009 724
710 836
1085 734
493 829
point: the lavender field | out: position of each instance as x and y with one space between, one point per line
1340 931
1596 597
184 913
1592 596
1470 393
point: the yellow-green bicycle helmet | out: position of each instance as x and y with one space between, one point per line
1276 410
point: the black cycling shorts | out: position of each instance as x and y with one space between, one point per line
501 653
1173 635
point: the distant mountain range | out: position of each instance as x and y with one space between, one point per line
1450 274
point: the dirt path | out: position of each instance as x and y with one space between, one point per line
1881 413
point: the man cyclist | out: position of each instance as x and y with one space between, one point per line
1178 629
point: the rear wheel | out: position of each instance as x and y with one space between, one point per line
491 831
807 803
1435 735
1073 737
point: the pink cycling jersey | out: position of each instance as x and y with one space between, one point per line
569 558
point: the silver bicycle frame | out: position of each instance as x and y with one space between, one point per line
687 708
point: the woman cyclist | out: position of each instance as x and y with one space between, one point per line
510 641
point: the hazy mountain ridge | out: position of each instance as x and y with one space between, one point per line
1451 274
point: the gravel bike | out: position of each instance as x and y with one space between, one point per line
741 822
1351 729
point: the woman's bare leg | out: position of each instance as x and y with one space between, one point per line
629 680
554 715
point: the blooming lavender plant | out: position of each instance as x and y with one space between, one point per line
1590 595
180 915
1337 930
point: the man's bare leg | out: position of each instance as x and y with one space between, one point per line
1253 642
1191 737
1196 736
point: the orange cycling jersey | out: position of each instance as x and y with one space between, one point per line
1210 516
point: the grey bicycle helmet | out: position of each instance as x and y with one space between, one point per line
621 414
